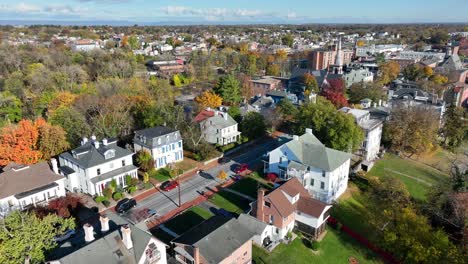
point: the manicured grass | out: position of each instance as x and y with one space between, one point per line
249 186
230 202
351 213
334 248
160 175
190 218
417 177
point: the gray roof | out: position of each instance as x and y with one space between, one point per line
88 156
26 179
228 234
253 224
452 63
108 248
311 152
113 173
149 136
219 121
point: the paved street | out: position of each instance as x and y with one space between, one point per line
164 202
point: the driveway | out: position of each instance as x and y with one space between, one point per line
164 202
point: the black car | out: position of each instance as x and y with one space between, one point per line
124 205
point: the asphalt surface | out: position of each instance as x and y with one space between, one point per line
164 202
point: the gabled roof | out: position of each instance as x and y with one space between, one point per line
150 136
219 120
21 179
88 155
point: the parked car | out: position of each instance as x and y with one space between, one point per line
151 212
124 205
169 185
241 168
223 160
66 235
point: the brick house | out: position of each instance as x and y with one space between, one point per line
290 206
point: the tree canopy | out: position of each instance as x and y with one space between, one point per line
228 88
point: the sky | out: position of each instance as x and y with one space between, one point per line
237 11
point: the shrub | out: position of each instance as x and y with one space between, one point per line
289 235
117 196
314 245
100 199
113 184
128 179
133 182
108 192
106 203
132 189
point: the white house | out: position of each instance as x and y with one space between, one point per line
23 186
218 127
164 144
357 76
370 147
94 164
85 45
323 171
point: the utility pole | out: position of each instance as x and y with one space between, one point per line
175 170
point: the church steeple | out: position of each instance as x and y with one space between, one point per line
338 67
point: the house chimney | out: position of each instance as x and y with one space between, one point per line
104 141
84 141
260 204
380 102
225 115
53 161
309 131
89 232
127 236
196 255
96 144
104 223
93 137
295 137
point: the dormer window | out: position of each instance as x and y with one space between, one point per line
159 141
109 154
175 136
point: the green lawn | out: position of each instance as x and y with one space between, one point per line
417 177
334 248
190 218
160 175
249 186
230 202
351 213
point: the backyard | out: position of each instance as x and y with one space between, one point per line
417 176
334 248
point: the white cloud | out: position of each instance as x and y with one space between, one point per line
210 14
20 8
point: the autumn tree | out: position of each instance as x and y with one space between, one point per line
222 175
23 235
52 139
246 87
413 72
388 72
334 92
360 43
209 99
273 69
428 72
310 83
411 129
19 144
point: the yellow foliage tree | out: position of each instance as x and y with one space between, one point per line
360 43
222 175
61 99
209 99
439 79
428 72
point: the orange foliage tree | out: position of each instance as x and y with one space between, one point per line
28 142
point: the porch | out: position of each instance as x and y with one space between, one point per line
230 138
119 175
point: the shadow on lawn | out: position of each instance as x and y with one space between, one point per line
184 222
